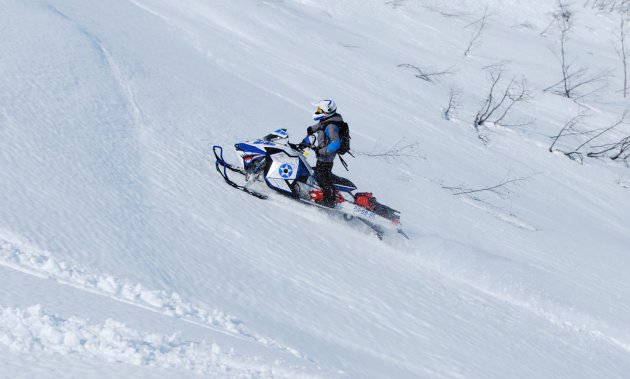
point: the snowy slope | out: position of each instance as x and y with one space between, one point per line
123 254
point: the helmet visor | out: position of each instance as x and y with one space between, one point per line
319 110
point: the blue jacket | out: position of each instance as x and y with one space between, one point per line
328 140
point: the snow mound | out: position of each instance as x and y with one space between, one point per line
34 330
28 259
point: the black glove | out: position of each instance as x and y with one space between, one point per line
309 130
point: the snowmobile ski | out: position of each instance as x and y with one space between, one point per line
226 166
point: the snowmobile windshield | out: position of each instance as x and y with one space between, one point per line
275 135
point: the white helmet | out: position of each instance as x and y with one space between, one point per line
325 109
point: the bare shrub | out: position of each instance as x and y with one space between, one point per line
572 79
453 103
618 149
497 103
569 128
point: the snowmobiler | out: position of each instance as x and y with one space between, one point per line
327 131
283 167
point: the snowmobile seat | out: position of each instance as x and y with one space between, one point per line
343 184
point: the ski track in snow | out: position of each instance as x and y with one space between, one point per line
33 330
29 260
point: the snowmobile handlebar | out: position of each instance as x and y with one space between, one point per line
300 146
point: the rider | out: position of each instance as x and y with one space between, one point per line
328 143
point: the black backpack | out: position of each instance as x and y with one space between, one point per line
344 137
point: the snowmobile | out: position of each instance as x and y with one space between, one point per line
284 168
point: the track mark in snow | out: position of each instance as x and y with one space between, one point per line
461 264
501 215
112 67
34 330
29 260
560 317
123 84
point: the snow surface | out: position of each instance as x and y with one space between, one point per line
124 254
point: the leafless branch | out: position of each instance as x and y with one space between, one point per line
482 24
544 32
620 6
518 125
426 76
621 120
453 103
623 52
565 24
568 128
617 150
502 189
400 149
396 3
